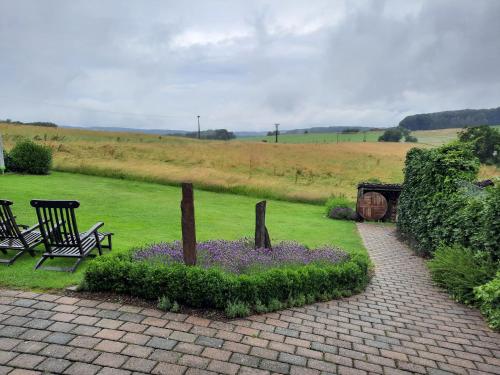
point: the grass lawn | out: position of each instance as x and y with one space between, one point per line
140 213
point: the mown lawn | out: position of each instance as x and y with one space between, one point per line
140 213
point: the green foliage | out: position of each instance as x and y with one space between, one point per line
164 303
411 139
194 286
452 119
459 270
488 298
31 158
338 201
237 310
391 135
175 307
486 143
434 209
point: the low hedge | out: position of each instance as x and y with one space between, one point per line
214 288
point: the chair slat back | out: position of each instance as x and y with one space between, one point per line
57 221
8 225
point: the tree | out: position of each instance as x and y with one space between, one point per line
486 142
391 135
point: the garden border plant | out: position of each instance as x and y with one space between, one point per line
237 294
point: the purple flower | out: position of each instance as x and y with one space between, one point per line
240 256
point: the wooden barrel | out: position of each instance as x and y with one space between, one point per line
372 206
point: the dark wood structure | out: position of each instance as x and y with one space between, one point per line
262 239
16 237
378 201
59 229
188 225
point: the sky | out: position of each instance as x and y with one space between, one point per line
245 65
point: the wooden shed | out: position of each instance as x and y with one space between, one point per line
378 201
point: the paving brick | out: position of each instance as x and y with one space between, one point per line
209 341
79 368
54 365
160 343
82 355
28 361
110 360
137 351
139 364
110 346
168 369
6 356
274 366
193 361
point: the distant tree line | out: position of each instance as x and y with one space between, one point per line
452 119
396 135
217 134
36 123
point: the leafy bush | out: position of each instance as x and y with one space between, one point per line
411 139
29 157
338 201
433 209
342 213
488 298
237 309
485 141
215 288
340 208
459 270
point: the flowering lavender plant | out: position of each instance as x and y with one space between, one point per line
240 256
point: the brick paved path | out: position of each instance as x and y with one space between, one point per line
401 324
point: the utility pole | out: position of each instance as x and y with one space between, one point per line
276 132
199 132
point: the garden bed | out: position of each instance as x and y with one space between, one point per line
231 276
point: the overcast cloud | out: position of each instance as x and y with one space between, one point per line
244 65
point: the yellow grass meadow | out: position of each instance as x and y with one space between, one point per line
302 172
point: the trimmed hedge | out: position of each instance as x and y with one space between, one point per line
440 205
214 288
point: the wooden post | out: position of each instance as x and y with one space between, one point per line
262 239
188 225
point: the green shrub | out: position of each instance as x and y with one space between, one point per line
338 201
175 307
237 310
488 298
434 207
164 303
29 157
214 288
339 207
459 270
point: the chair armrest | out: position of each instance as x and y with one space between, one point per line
28 229
91 231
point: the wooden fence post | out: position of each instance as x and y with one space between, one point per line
262 239
188 225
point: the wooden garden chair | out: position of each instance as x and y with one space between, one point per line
16 237
60 233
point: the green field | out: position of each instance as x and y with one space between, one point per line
431 137
371 136
140 213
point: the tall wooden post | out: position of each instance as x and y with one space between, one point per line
188 225
262 239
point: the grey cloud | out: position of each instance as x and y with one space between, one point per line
245 65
